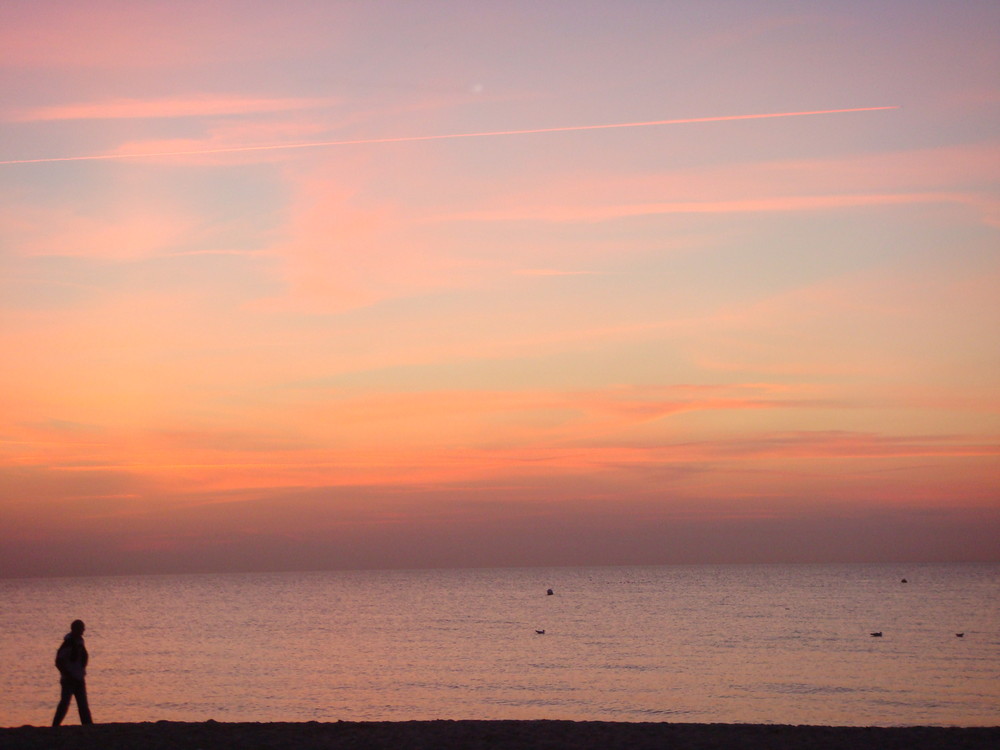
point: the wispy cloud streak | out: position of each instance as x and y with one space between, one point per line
415 138
756 205
166 108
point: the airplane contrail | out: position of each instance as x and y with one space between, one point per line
412 138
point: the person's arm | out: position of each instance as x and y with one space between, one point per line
62 658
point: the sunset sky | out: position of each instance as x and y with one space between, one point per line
282 322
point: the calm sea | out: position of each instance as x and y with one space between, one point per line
769 643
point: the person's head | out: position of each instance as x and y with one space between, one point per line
77 627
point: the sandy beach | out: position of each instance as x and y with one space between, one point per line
495 735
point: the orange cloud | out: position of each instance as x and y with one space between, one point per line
874 324
381 438
738 467
836 444
318 425
134 231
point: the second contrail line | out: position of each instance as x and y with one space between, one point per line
412 138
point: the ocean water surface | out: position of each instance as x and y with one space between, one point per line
762 644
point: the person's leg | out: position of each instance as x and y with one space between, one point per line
80 691
64 699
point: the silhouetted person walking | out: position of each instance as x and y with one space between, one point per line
71 661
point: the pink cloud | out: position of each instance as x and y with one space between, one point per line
553 272
772 204
223 144
954 176
203 106
114 34
230 141
341 251
711 45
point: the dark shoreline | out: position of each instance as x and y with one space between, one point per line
495 735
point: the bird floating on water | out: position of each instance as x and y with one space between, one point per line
877 635
549 592
540 632
960 635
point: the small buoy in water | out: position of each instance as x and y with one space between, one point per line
549 592
540 632
904 581
877 635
